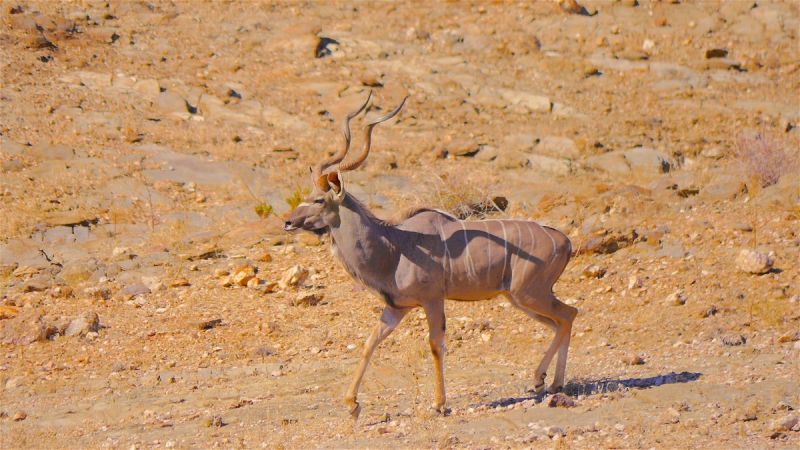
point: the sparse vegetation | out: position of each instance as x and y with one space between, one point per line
765 158
263 210
296 197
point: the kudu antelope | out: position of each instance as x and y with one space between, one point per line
429 256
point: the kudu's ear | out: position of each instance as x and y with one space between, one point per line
335 182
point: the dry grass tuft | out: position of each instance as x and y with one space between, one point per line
765 158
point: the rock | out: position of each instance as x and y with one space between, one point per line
87 323
716 53
179 282
242 274
307 299
648 161
326 47
677 298
723 187
309 240
733 340
613 163
594 271
26 328
528 101
293 277
220 272
487 153
635 282
712 153
209 324
556 146
710 311
170 102
755 262
149 88
253 282
553 431
132 290
94 80
787 423
19 416
8 312
153 283
789 337
560 400
555 166
632 359
671 415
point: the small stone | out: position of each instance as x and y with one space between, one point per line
265 257
293 277
787 423
243 274
619 427
209 324
553 431
179 282
789 337
677 298
253 282
710 311
733 340
219 273
213 421
82 325
226 282
133 290
671 416
19 416
634 282
712 153
309 240
755 262
716 53
632 359
561 401
307 299
8 311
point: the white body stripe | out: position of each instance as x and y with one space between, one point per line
505 248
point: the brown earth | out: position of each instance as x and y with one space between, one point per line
138 139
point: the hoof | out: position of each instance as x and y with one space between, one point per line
553 389
439 410
355 410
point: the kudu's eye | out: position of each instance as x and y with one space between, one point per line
319 200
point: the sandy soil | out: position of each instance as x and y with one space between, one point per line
139 139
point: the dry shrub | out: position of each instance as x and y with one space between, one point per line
765 158
464 197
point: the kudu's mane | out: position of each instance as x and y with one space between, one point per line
398 218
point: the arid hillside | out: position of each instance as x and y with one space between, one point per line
150 151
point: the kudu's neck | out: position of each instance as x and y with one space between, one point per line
362 242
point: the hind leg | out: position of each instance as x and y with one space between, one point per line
558 316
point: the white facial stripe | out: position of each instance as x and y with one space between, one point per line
303 204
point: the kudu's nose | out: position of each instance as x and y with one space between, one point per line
287 225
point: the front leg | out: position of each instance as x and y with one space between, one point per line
436 335
390 318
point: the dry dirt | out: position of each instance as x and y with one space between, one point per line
138 139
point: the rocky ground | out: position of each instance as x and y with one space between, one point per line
148 152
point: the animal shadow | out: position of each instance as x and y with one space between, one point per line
602 386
